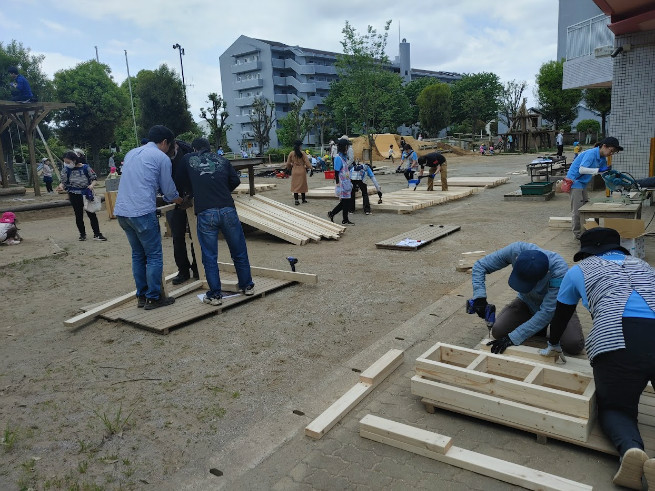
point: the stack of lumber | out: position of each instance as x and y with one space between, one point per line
287 223
526 394
245 188
407 200
327 192
468 260
476 181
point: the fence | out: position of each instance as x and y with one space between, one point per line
582 38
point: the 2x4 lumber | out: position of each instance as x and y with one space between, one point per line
524 352
499 410
287 222
379 370
422 442
250 219
310 279
320 222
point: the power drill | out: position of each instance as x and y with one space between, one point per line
489 313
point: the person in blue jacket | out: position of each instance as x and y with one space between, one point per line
582 170
20 87
536 276
619 292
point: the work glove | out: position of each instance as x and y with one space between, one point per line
187 202
603 169
480 306
498 346
550 348
432 176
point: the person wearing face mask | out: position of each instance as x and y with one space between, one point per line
78 179
147 169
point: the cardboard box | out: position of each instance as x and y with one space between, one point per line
631 232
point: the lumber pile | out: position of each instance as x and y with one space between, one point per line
287 223
327 192
544 399
245 188
476 181
468 260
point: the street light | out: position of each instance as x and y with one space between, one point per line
181 50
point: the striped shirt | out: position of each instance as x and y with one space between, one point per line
611 286
78 181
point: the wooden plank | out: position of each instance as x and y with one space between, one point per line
310 279
468 260
420 442
89 315
425 234
379 370
525 352
502 411
333 414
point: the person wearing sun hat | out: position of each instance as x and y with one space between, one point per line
582 170
536 276
619 292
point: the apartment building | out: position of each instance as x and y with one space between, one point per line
611 43
281 73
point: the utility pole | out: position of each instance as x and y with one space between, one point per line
97 59
181 50
129 84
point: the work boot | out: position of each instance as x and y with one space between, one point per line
155 303
181 278
141 301
631 469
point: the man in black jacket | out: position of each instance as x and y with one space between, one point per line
435 163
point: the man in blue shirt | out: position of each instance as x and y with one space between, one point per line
619 291
582 170
20 87
146 171
211 180
536 276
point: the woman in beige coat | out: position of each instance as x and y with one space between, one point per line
299 163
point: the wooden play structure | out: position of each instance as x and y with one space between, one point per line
527 132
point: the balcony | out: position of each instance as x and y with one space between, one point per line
244 101
246 67
298 68
278 63
248 84
584 37
325 70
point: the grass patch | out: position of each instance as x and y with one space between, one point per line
9 438
115 424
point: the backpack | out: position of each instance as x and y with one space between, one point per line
85 168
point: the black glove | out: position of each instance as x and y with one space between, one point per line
498 346
380 194
480 306
187 202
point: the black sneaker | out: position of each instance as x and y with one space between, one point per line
347 222
249 290
297 202
151 303
141 301
331 216
100 237
82 238
180 278
305 201
214 301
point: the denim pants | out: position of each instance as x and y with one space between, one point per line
144 237
227 221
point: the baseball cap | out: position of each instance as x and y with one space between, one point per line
530 267
610 141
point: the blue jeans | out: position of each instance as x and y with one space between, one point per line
144 237
227 221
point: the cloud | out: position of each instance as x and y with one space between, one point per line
53 62
54 26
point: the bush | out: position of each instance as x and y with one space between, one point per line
588 126
279 154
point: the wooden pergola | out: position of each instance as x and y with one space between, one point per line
27 116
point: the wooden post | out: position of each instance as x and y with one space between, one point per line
3 168
52 159
30 145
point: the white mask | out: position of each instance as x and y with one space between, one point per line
70 166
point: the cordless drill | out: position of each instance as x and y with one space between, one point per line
489 312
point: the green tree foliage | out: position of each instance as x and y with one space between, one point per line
435 105
366 95
599 100
99 106
510 101
412 91
556 104
216 114
588 126
29 65
160 98
320 120
261 120
475 99
295 125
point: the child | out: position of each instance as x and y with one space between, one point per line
8 230
390 156
577 149
112 173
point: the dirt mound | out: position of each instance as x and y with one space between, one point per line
383 140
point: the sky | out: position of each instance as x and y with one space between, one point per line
512 38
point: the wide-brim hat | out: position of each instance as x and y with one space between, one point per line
529 268
597 241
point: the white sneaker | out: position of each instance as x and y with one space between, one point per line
249 291
215 301
631 469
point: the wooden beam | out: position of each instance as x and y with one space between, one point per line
439 447
379 370
310 279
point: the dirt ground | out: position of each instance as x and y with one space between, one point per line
109 406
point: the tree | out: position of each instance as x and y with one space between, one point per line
295 125
99 107
435 104
215 115
588 126
320 120
160 98
599 100
366 94
412 91
556 104
262 118
475 99
510 100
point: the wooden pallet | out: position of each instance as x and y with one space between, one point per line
407 201
419 237
259 187
475 181
283 221
327 192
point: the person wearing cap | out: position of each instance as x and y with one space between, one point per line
20 87
344 186
559 140
8 230
435 162
536 276
619 292
412 163
350 154
47 174
147 170
577 149
582 170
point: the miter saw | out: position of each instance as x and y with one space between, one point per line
620 182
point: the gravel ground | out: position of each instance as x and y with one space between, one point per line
108 405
